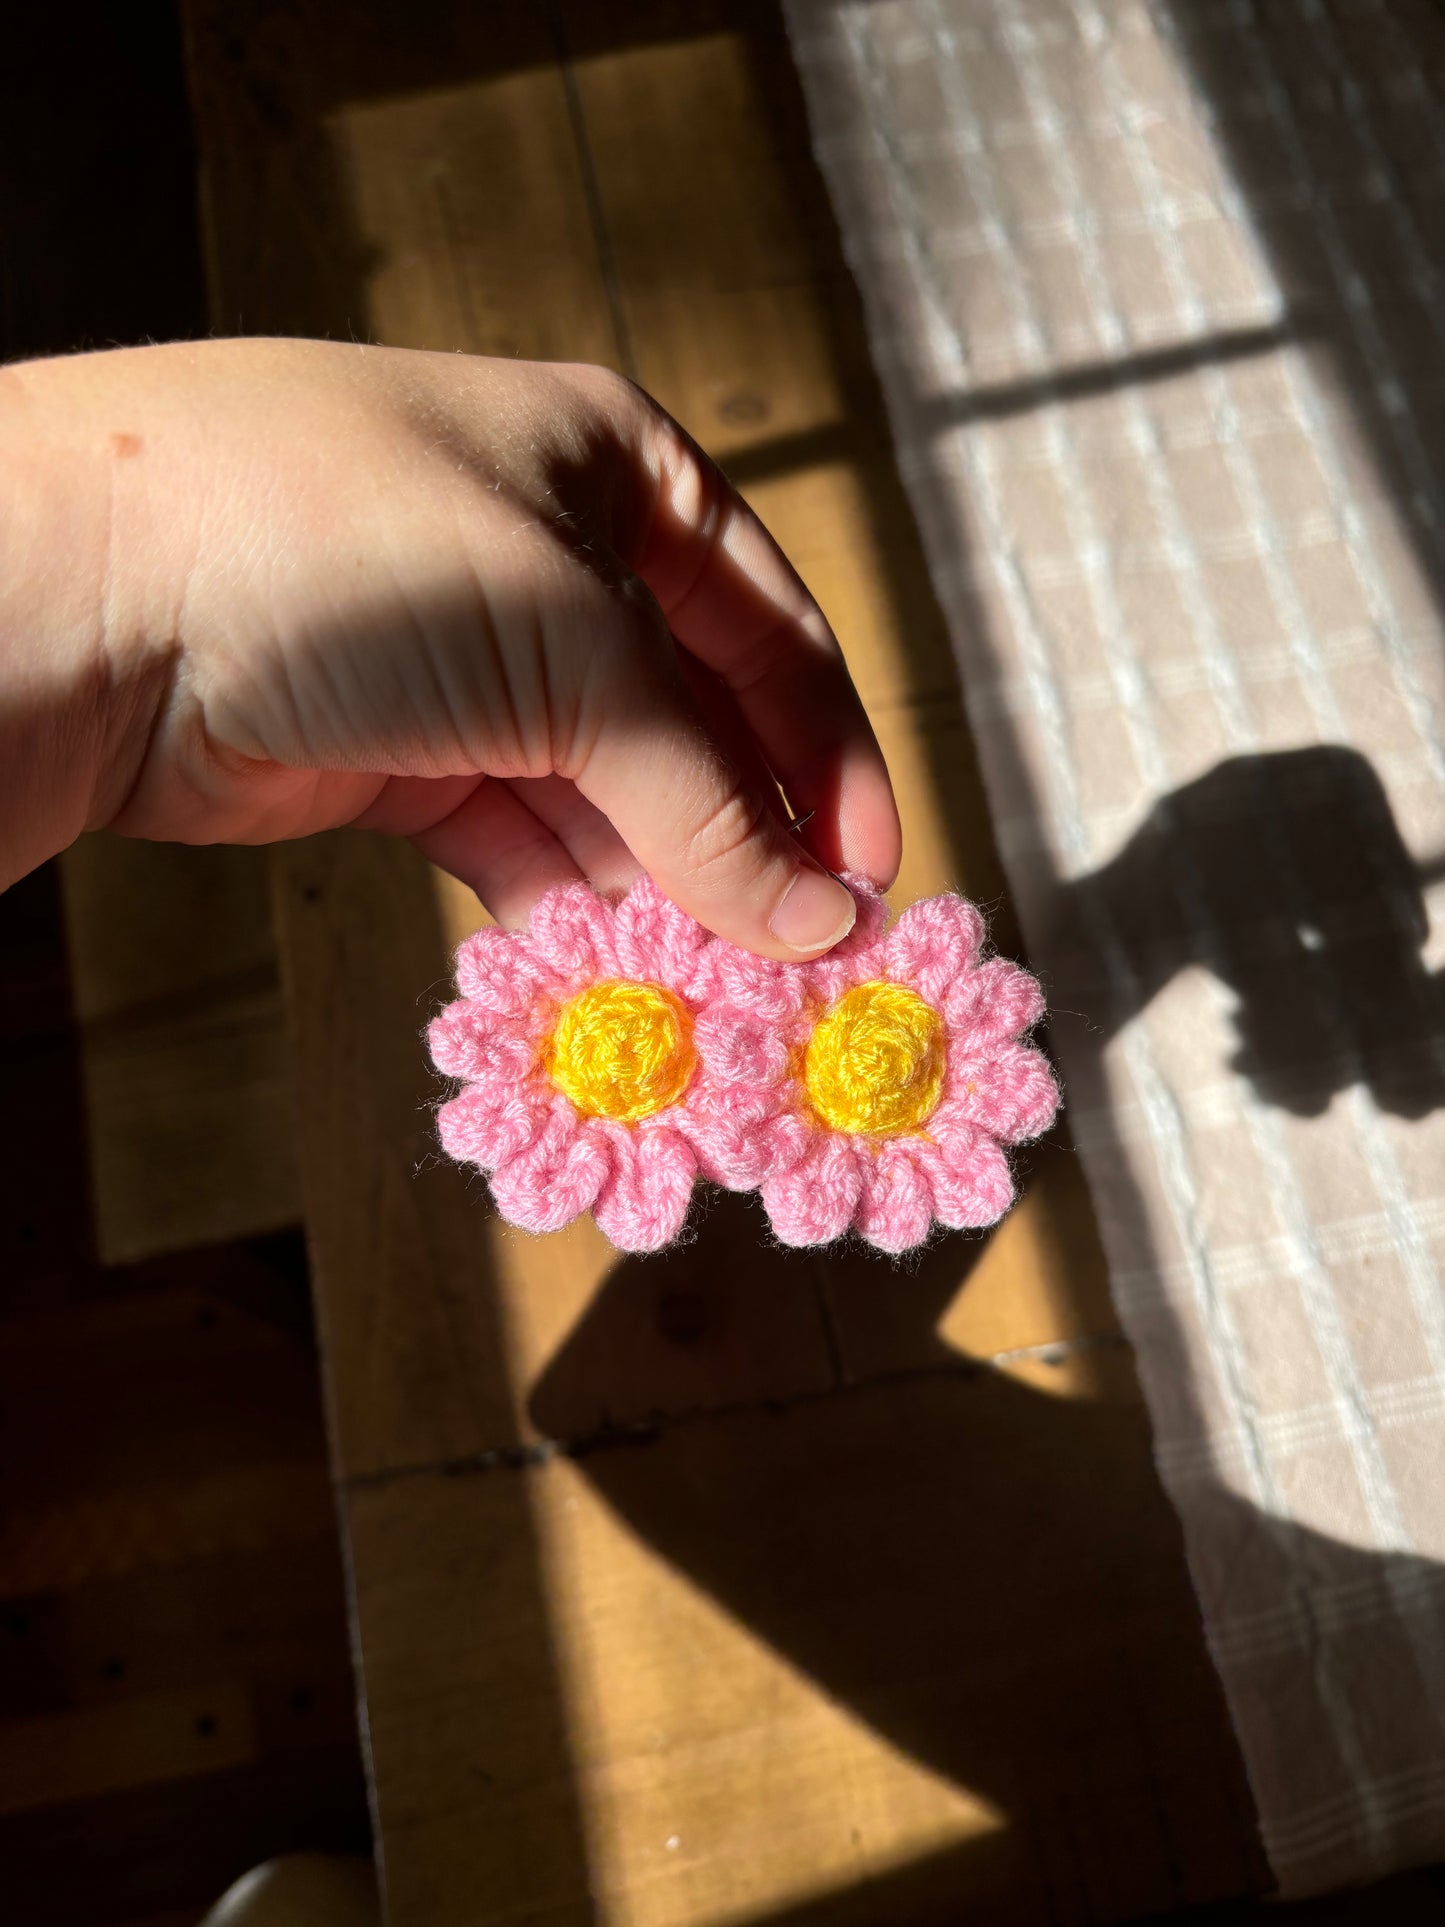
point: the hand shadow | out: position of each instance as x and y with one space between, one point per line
988 1574
951 1557
1285 876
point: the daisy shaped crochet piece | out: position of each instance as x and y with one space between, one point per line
611 1054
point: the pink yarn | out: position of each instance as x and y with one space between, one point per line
744 1120
996 1089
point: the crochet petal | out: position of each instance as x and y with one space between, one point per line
951 1127
896 1206
1010 1091
489 1126
859 958
499 972
739 1050
991 1004
469 1041
969 1176
814 1202
571 929
741 1138
558 1176
932 945
656 942
757 987
642 1205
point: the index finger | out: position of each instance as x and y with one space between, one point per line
734 600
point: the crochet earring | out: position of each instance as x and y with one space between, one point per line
612 1053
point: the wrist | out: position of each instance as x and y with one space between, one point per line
78 688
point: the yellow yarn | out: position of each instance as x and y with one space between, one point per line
874 1062
621 1050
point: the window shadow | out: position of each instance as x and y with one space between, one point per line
1330 122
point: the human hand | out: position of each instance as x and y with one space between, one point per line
505 609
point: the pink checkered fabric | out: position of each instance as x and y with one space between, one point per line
1157 295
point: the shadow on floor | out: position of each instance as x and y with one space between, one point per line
963 1518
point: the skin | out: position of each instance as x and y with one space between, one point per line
255 589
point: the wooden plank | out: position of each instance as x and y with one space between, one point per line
174 965
403 177
170 1092
173 1649
46 1245
742 321
517 224
383 158
138 1740
324 171
863 1632
130 1436
190 1112
786 1693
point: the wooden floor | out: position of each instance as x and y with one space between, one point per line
176 1700
188 1105
727 1586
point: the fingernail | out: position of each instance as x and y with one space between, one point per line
814 913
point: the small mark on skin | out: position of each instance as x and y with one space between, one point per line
123 444
206 1725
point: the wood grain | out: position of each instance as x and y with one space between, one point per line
808 1667
190 1112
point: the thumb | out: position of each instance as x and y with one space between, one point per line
706 829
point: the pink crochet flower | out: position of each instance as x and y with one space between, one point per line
574 1041
610 1054
874 1089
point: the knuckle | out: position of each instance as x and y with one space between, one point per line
614 396
729 834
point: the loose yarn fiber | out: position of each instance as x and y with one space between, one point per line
612 1053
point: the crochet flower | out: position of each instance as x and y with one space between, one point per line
874 1089
609 1055
575 1043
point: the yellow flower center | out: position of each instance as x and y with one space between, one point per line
874 1062
621 1050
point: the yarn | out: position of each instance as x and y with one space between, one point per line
875 1060
613 1052
622 1050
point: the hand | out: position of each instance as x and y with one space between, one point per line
505 609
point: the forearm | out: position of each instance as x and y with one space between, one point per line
75 697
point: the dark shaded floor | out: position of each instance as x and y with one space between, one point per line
176 1697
